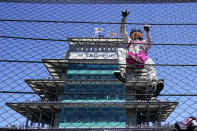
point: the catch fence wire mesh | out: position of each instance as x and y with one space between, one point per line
34 30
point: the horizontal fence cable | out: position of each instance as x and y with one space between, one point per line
86 22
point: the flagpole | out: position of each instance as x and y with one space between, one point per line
108 31
95 32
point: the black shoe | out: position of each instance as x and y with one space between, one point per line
120 76
158 88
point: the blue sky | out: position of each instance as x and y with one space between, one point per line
178 79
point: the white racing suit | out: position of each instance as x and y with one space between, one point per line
136 53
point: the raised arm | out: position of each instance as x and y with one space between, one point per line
148 38
123 31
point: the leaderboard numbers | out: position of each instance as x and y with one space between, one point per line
92 47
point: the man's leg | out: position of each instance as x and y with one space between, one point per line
151 72
121 75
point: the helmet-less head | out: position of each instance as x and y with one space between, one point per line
136 34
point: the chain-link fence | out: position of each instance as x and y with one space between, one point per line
35 35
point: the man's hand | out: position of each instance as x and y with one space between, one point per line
146 27
125 13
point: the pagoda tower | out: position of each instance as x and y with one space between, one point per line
85 94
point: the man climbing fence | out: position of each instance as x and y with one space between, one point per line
136 53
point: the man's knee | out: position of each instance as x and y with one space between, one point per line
121 50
